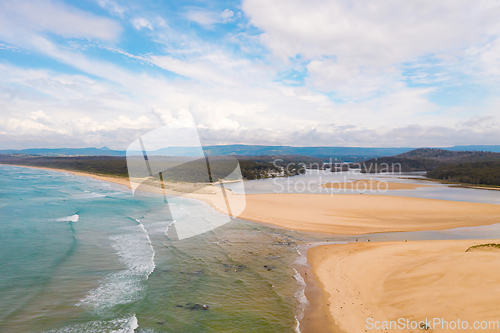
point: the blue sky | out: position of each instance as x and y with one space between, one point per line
303 73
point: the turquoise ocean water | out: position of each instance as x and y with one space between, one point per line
81 255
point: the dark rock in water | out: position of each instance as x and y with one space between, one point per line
273 257
161 322
196 273
160 272
196 306
284 243
235 268
179 306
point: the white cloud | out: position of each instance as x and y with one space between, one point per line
208 18
141 23
358 50
113 7
226 15
349 81
180 118
23 19
480 123
8 47
352 53
378 33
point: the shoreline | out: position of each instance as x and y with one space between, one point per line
316 317
416 280
340 214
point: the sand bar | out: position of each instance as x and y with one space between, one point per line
373 185
411 280
362 214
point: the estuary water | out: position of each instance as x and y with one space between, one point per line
311 182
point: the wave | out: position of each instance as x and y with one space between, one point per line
89 195
301 298
168 226
137 254
152 265
71 218
121 325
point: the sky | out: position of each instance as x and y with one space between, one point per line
383 73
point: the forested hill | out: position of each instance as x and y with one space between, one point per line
484 173
444 155
426 159
472 167
179 168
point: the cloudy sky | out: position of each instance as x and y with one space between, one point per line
288 72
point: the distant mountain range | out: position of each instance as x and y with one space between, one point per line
246 150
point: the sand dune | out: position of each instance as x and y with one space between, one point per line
410 280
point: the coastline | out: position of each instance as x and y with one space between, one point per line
341 214
281 211
316 317
414 280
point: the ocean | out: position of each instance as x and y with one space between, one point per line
82 255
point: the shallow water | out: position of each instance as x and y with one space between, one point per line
81 255
312 180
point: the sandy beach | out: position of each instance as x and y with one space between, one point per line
411 280
363 214
338 213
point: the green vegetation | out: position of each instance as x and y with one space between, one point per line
107 165
398 164
471 167
489 245
449 156
174 169
483 173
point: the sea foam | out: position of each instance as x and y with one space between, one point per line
71 218
301 299
121 325
137 254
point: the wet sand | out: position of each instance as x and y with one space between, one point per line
412 280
